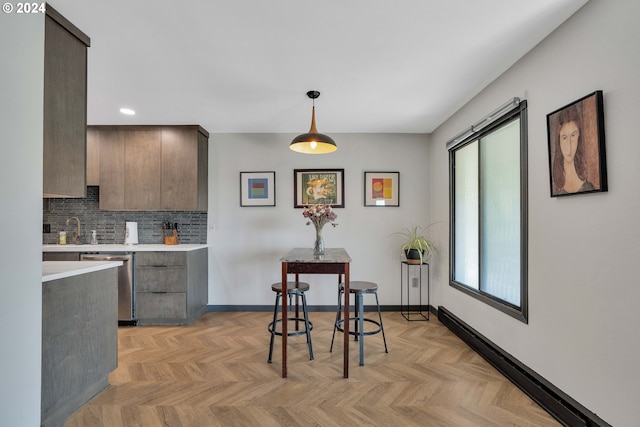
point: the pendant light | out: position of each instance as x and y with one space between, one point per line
313 142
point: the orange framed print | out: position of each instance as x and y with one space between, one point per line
382 189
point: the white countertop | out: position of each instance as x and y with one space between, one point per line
122 248
54 270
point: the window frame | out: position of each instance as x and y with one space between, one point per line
521 312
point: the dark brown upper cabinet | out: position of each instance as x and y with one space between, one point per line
65 107
150 168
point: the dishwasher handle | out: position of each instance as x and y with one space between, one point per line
86 257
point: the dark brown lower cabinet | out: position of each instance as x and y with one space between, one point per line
171 287
79 341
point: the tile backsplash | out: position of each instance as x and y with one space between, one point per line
109 225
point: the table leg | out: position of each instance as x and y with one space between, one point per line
297 316
360 304
284 319
346 321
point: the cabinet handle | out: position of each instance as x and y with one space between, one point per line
159 266
159 292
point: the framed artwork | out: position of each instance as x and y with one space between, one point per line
257 189
382 189
312 186
576 147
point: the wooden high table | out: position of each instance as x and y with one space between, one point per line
303 261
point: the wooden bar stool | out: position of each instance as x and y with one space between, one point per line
296 289
359 288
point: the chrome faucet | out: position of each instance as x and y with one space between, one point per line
75 235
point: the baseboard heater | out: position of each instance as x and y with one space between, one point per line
557 403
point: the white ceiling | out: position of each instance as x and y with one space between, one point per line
401 66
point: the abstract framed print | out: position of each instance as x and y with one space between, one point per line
257 189
382 189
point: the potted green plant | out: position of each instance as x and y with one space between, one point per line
416 247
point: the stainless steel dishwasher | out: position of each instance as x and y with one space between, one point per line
126 292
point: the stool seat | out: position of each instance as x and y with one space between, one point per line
357 286
298 290
291 287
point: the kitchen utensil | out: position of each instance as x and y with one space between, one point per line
131 233
170 233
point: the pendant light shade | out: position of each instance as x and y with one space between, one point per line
313 142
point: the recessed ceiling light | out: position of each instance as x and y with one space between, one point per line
127 111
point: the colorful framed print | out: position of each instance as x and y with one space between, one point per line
318 186
382 189
257 189
576 147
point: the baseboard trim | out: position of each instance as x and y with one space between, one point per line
312 308
557 403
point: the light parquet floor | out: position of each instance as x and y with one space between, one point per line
215 373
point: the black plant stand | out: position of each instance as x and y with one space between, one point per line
419 312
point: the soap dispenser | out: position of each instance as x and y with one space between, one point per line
94 237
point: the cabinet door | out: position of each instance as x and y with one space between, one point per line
142 165
61 256
179 169
93 157
161 308
184 169
111 148
161 259
203 173
161 279
65 112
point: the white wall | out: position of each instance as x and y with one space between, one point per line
248 241
21 86
583 288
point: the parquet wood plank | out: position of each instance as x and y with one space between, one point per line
215 373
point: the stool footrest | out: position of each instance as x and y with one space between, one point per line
271 329
352 332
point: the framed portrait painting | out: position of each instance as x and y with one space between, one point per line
318 186
382 189
257 189
576 147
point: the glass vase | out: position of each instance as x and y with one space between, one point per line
318 247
